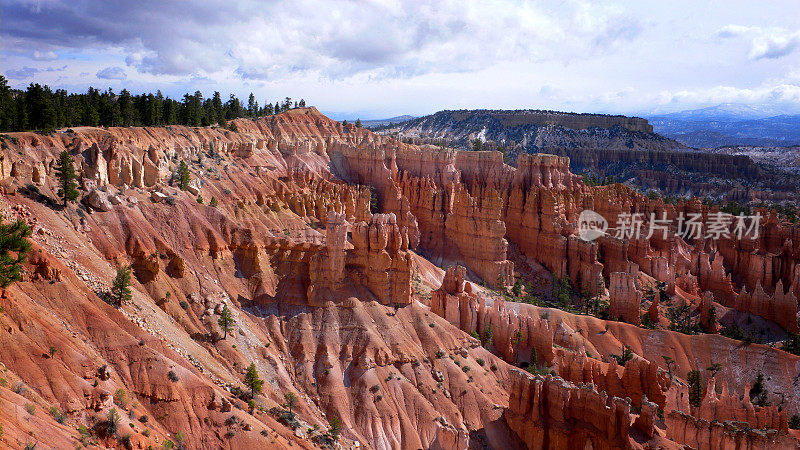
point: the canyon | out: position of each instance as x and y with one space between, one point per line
395 288
599 145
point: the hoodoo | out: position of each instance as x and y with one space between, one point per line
418 297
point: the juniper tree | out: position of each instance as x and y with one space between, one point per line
65 172
121 288
14 247
252 381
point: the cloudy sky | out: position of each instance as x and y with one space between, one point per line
379 58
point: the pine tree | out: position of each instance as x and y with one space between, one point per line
670 364
184 176
252 106
216 106
225 321
252 381
517 288
758 393
358 123
714 368
695 387
112 425
792 343
65 172
487 337
625 356
14 247
290 400
335 428
121 288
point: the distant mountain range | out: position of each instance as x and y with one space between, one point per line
729 124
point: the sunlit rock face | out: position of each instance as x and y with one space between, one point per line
357 271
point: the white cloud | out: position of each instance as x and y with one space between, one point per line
337 39
390 57
45 56
769 43
112 73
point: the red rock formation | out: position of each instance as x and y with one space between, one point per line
645 423
552 413
704 435
456 302
724 406
780 308
380 254
292 250
706 305
461 227
652 312
625 299
327 268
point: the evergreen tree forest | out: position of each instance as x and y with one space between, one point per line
41 108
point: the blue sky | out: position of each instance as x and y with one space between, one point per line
384 58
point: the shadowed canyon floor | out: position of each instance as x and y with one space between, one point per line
376 283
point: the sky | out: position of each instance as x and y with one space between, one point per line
382 58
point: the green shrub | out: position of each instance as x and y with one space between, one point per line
121 398
57 415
